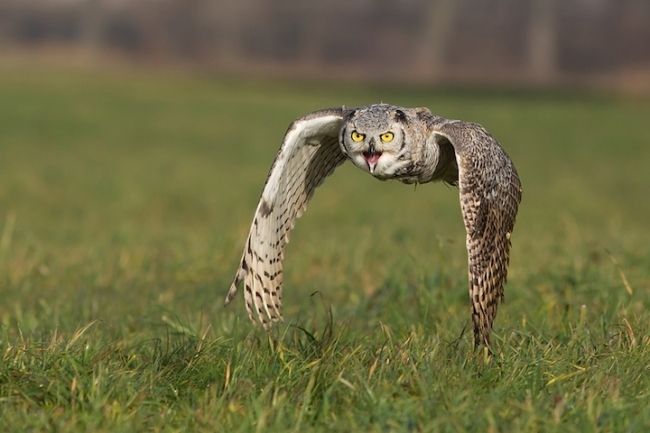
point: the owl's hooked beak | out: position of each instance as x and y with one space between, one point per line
372 157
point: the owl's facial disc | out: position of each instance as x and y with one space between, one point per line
372 155
380 153
373 138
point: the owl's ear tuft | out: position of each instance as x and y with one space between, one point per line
423 113
400 116
349 114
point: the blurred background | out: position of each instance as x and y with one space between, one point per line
136 135
596 43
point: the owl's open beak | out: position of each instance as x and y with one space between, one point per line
371 158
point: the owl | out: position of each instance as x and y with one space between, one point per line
410 145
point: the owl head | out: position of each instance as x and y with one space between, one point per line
374 139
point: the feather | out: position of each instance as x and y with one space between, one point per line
309 153
490 193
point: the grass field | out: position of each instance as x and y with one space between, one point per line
125 198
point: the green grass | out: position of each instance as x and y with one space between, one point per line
125 198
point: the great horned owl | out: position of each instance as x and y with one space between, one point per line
411 145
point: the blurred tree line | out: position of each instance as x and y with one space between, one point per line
540 41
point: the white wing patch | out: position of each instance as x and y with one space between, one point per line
301 133
309 153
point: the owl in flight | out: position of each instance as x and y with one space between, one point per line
411 145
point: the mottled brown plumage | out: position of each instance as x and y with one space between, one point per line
407 144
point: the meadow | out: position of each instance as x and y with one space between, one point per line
125 199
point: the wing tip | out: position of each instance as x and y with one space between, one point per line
232 291
239 277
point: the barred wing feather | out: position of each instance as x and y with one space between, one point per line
490 193
309 153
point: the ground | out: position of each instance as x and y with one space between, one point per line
125 199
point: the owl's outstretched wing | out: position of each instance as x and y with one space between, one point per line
490 192
309 153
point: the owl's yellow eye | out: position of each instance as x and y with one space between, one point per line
356 137
387 137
